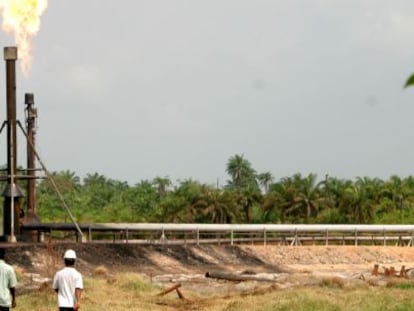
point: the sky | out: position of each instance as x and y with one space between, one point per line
136 89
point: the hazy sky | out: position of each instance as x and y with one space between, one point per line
135 89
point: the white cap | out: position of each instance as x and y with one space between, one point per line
70 254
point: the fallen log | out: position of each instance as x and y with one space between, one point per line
409 273
180 295
172 288
237 277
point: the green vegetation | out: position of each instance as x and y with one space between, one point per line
247 197
410 81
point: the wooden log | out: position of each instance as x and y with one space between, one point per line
402 272
180 295
170 289
375 270
236 277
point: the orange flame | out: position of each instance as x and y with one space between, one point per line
22 18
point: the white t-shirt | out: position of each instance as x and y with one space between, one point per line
7 281
66 281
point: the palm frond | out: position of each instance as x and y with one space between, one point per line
410 81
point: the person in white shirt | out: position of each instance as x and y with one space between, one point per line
68 284
8 283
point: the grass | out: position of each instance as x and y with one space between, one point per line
130 291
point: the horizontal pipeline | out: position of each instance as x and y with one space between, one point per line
218 227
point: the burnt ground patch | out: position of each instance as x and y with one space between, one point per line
136 257
246 257
23 255
184 254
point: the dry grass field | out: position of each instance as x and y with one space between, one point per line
131 292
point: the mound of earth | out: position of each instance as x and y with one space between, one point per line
168 264
191 258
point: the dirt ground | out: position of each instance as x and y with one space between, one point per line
287 266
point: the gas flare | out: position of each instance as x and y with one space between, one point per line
22 19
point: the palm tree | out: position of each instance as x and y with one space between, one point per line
64 183
173 208
240 171
308 194
398 191
142 199
265 179
98 190
363 199
219 206
162 184
243 184
333 204
191 192
410 81
281 201
246 198
295 198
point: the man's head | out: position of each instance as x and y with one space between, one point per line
2 253
69 257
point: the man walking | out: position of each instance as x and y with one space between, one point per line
8 283
68 284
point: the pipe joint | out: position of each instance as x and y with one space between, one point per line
10 53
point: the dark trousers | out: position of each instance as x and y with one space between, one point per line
4 308
64 309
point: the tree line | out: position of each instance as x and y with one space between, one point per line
247 197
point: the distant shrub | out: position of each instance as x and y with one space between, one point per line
44 287
100 271
334 282
133 282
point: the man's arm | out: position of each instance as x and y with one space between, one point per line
55 285
13 294
78 295
12 283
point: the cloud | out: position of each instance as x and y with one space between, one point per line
173 117
390 29
87 82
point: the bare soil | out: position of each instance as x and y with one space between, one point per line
285 266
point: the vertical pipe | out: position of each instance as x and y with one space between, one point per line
12 205
31 115
10 55
11 212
